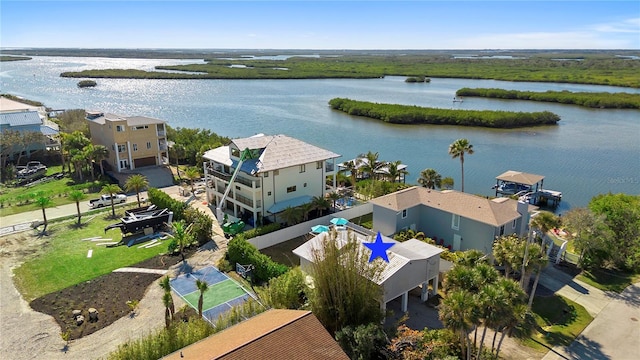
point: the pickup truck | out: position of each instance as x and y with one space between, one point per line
105 200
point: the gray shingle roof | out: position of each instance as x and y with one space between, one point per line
281 151
494 212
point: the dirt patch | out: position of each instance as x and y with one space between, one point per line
108 294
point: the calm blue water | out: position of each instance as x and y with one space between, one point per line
591 151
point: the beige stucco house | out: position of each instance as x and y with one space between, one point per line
133 142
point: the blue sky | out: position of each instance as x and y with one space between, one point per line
355 25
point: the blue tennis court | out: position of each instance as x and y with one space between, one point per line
222 295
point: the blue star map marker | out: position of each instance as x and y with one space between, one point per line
378 248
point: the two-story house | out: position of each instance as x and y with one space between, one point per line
24 118
133 142
280 171
454 219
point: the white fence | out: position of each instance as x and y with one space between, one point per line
294 231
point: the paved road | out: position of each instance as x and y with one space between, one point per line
6 222
615 331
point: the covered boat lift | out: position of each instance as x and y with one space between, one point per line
528 186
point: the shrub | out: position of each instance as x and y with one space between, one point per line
241 251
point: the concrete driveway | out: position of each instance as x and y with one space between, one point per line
614 332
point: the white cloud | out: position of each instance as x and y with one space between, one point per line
624 26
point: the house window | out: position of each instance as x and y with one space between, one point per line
113 147
302 168
501 230
455 222
135 147
513 224
266 174
148 145
318 164
268 193
122 148
404 213
119 128
304 185
139 127
291 189
235 152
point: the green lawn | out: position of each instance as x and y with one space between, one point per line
607 280
63 260
364 221
559 321
15 200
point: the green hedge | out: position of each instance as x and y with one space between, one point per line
202 223
239 250
261 230
406 114
603 100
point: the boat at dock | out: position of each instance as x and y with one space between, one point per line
527 187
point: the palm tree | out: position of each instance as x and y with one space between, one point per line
182 235
100 152
292 215
137 183
430 179
167 301
394 172
165 284
508 251
306 209
78 159
457 150
545 221
88 153
370 164
192 173
320 203
44 202
352 167
111 190
203 287
493 307
334 196
457 314
77 196
538 260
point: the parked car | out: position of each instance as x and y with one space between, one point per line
105 200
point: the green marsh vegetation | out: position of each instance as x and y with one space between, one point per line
602 100
407 114
587 68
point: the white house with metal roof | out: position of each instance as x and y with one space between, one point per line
453 219
412 264
25 118
281 172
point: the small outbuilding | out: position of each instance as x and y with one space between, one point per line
412 264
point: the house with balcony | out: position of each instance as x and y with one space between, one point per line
454 219
279 171
24 119
133 142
